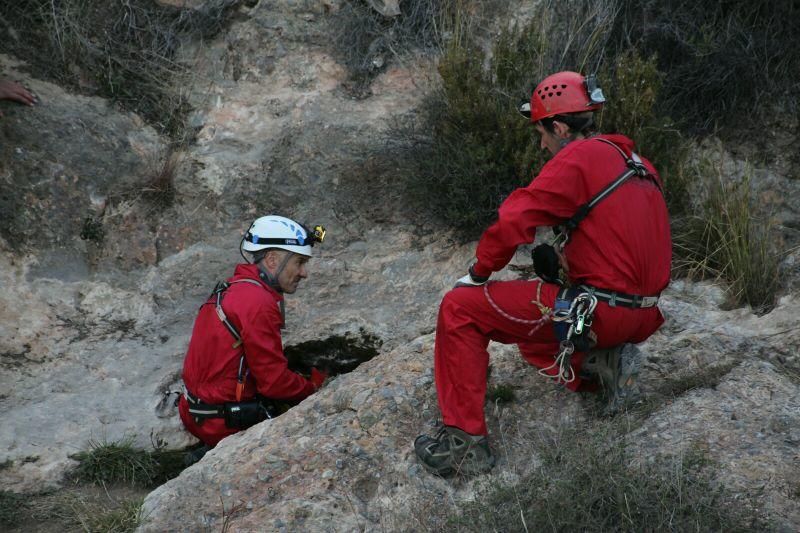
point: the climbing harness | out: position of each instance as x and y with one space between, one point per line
239 414
572 322
634 167
218 292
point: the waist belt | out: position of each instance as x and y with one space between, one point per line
614 298
199 409
202 410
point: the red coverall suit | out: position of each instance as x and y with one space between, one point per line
212 364
623 245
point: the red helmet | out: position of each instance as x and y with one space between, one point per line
562 93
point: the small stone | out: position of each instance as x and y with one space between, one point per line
327 474
279 523
340 464
358 451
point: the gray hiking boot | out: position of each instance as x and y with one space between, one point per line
452 451
617 370
195 454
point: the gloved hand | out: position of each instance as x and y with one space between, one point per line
317 378
471 279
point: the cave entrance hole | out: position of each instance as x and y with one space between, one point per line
337 354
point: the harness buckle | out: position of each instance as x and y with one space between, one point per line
649 301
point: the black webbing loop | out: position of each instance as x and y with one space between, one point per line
635 168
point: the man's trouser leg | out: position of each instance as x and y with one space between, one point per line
467 322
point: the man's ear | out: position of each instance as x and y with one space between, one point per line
270 260
562 130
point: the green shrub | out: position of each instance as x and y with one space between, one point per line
11 508
74 509
500 393
124 519
726 240
724 60
469 148
121 462
633 85
593 487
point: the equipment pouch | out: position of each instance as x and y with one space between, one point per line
545 263
242 415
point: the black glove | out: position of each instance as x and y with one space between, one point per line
546 264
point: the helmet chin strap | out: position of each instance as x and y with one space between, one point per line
270 278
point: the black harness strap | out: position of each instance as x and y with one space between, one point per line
219 291
635 167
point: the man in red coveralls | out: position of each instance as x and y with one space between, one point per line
619 253
235 364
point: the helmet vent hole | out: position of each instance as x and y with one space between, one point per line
558 93
550 95
563 86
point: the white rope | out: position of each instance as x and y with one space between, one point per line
565 374
538 323
584 305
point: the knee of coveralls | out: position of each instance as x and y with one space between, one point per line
461 362
210 432
467 321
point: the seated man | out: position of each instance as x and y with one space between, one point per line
235 367
615 246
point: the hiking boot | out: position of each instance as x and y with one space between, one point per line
452 451
195 454
617 370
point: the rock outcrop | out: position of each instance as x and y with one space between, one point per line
102 281
343 461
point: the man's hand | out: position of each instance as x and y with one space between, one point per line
14 91
317 378
471 279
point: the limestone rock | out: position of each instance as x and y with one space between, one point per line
344 456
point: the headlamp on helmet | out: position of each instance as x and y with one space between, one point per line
317 234
593 91
274 231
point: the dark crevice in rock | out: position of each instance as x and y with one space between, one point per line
337 354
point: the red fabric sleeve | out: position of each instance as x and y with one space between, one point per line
553 196
264 355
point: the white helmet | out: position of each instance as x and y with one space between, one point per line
273 231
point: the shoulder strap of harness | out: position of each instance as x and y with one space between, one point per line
218 292
635 167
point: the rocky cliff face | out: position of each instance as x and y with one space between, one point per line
103 275
102 271
343 460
